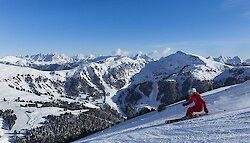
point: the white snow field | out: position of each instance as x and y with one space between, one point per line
27 117
228 121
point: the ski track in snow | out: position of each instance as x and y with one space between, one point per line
228 121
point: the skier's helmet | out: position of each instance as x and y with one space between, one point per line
192 91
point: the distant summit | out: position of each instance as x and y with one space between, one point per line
229 60
51 57
55 62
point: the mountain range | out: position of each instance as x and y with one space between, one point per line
38 86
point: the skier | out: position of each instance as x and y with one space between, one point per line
200 103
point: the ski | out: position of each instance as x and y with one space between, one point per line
184 118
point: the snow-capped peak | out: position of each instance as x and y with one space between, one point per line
143 57
51 57
13 59
180 62
38 59
229 60
83 57
54 61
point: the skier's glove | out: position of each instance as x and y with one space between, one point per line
184 104
205 109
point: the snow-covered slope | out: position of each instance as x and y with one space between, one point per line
33 81
30 117
180 63
34 94
228 121
102 79
97 79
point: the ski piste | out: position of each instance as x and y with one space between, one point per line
185 118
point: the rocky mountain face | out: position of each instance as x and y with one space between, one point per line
100 80
232 76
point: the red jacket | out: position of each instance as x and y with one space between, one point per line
198 100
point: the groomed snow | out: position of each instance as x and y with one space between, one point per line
229 121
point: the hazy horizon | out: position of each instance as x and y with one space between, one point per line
152 54
206 28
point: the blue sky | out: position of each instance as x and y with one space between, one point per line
203 27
